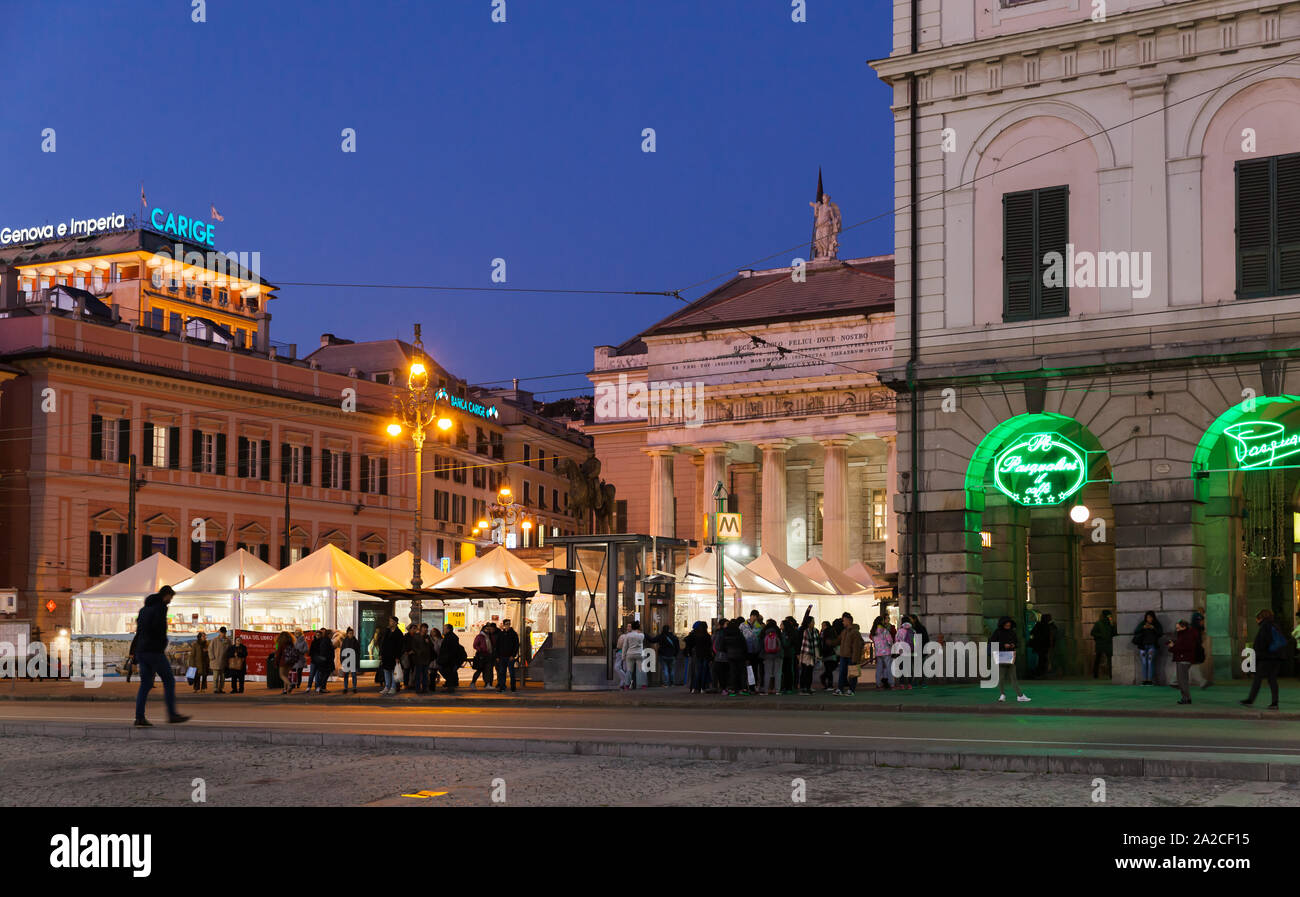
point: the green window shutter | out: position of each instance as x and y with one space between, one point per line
1254 228
1286 204
1053 233
1018 262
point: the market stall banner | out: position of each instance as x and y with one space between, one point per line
260 646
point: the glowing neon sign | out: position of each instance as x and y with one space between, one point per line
1040 469
185 228
466 405
1259 444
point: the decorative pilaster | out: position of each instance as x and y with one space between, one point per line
662 522
835 502
774 524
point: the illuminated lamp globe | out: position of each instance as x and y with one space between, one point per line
527 524
394 429
505 490
1079 513
445 423
482 524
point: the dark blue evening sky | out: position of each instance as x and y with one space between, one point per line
474 141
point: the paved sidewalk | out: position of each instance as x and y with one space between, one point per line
1083 697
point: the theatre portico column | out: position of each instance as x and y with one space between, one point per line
662 517
715 471
891 490
835 502
774 523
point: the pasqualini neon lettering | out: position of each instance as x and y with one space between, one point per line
1040 469
1261 443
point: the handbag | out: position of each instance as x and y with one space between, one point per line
854 671
1005 656
191 673
750 671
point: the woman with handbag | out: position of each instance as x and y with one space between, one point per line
482 664
237 664
1004 644
199 662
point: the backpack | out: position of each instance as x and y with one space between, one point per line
290 656
1276 641
772 643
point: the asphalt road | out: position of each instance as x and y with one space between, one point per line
1009 733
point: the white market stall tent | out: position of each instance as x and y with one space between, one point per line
399 569
322 589
801 590
696 593
223 584
849 594
110 607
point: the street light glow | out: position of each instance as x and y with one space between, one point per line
482 524
505 490
527 524
417 370
394 429
1079 513
445 423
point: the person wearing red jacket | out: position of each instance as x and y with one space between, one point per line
1183 648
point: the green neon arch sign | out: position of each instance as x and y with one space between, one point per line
1040 469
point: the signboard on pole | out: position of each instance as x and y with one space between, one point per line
728 527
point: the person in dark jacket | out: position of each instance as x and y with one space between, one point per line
450 656
718 668
1270 645
1103 641
1043 640
506 652
922 636
420 653
698 648
237 664
1183 648
351 661
737 651
151 647
1147 639
790 659
322 660
1004 641
667 647
1200 669
390 651
830 659
806 648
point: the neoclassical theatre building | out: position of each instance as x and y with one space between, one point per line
1099 337
769 385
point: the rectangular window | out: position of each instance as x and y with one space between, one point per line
528 494
528 455
156 318
541 497
555 499
105 565
541 459
480 441
440 466
819 516
160 452
620 515
879 515
175 322
1268 226
1035 223
209 463
79 281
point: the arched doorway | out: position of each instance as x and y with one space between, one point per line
1246 471
1040 485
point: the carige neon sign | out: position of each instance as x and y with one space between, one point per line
466 405
1040 469
1260 444
186 228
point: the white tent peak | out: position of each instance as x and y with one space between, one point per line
837 581
499 568
867 575
699 571
775 570
139 580
224 575
327 568
399 569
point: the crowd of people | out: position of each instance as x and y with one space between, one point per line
753 656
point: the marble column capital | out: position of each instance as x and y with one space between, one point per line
838 441
659 451
775 445
712 448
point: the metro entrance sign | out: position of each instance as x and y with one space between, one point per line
1040 469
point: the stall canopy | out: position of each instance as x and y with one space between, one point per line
140 580
497 574
233 573
328 568
840 583
778 571
698 572
399 570
869 576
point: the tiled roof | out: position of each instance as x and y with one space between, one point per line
861 286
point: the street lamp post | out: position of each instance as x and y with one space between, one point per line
417 410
